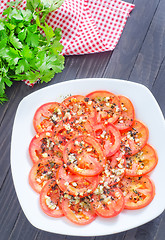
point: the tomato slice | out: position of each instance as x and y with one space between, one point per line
109 137
138 191
50 199
69 129
78 210
134 140
107 202
41 172
84 156
107 106
126 119
47 116
42 146
76 185
80 106
142 163
114 169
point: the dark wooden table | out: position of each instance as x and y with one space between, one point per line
138 57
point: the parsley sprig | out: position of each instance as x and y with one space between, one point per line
25 53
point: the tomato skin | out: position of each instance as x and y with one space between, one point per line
42 147
127 117
142 163
71 211
42 120
52 191
133 140
109 137
110 205
76 185
138 191
69 129
114 169
109 105
42 171
82 162
80 106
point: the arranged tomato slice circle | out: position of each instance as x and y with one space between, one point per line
127 116
78 210
80 106
47 116
141 163
114 169
76 185
107 106
50 199
42 171
42 146
69 129
84 156
138 191
109 137
134 140
107 202
90 157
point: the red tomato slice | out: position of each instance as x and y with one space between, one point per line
108 202
84 156
138 191
42 146
76 185
109 137
114 170
78 210
41 172
80 106
69 129
126 119
141 163
107 106
47 116
50 199
134 140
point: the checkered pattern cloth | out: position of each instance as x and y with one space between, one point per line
88 26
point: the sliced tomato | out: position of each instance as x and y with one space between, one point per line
50 199
47 116
76 185
114 169
41 172
80 106
141 163
109 137
134 140
69 129
127 116
107 202
138 191
107 106
84 156
78 210
42 146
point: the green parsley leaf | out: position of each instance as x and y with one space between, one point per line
26 54
15 41
22 35
2 27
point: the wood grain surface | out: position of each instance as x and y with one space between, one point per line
138 57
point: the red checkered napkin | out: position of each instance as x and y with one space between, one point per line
88 26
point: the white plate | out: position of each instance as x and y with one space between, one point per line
147 110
